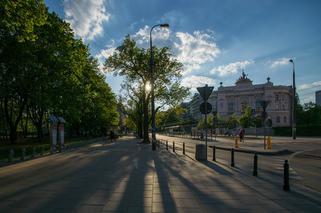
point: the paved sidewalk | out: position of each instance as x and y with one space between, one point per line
129 177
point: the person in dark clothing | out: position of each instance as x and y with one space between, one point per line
241 134
112 136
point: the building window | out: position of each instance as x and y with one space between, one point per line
230 107
258 107
278 119
284 119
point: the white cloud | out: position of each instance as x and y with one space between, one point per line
230 69
105 53
142 35
309 86
86 17
193 50
279 62
307 99
194 81
196 49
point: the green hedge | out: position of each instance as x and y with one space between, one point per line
309 130
39 149
282 131
300 131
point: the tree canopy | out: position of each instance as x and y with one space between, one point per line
133 62
45 70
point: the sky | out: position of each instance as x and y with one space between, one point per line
214 39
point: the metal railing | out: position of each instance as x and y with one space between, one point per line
191 149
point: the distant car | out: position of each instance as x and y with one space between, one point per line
231 132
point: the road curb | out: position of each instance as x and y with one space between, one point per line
253 151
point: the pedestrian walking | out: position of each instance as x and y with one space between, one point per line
112 136
241 134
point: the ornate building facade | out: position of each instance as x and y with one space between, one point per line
233 99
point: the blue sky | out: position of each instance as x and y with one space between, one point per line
214 39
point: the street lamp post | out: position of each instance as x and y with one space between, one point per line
152 83
293 102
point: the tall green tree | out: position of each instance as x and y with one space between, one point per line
133 62
171 116
309 114
45 70
246 119
233 121
18 20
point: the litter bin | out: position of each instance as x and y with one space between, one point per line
200 153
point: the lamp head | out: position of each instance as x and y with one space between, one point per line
291 60
164 25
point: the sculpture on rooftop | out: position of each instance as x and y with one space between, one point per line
243 79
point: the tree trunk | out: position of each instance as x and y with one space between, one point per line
13 134
11 120
39 131
139 124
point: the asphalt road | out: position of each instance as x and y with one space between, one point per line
303 170
308 165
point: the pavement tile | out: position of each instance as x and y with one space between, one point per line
302 207
139 209
209 208
114 206
180 194
161 190
163 207
139 201
158 198
89 208
189 210
186 203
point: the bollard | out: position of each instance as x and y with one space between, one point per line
214 154
23 154
33 152
173 146
183 148
11 155
232 157
41 150
269 142
166 145
286 186
236 142
255 165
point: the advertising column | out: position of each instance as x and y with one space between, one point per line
61 130
53 132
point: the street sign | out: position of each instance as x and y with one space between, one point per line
208 108
205 92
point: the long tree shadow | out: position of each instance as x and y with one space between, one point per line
165 200
137 195
218 169
73 184
163 166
